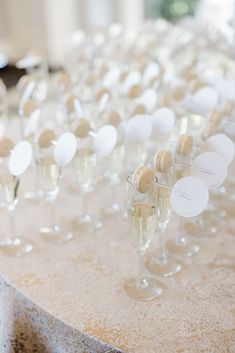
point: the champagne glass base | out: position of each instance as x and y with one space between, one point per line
164 266
183 247
15 246
33 196
55 235
112 210
145 292
202 231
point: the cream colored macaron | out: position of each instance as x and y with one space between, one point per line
177 93
163 161
114 118
70 103
6 145
29 107
45 138
143 179
138 109
99 94
82 128
229 106
134 91
184 145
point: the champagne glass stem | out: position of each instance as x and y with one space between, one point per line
142 282
11 213
183 238
162 227
52 214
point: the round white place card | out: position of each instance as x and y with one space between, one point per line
103 102
151 71
32 124
28 61
65 149
139 128
189 196
163 120
221 144
133 78
207 97
112 77
149 99
20 158
211 168
105 140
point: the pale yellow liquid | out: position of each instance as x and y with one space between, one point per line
181 172
49 175
84 163
163 207
143 222
8 188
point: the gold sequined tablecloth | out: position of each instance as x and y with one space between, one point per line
70 298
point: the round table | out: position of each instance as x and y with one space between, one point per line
69 298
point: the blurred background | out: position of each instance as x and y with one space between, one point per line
48 25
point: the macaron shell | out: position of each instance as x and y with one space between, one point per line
184 145
144 179
45 138
6 145
83 128
29 107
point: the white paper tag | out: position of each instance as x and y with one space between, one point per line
139 128
149 99
28 61
211 168
132 79
207 97
20 158
221 144
105 140
226 88
103 102
32 124
163 120
65 149
151 71
189 196
112 77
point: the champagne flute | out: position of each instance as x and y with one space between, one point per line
142 217
49 177
163 264
84 163
9 185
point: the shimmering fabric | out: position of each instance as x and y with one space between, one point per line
69 298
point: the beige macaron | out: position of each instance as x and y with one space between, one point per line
63 80
45 138
138 109
143 179
6 145
134 91
184 145
177 93
82 128
29 107
164 101
99 94
70 103
113 118
163 161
